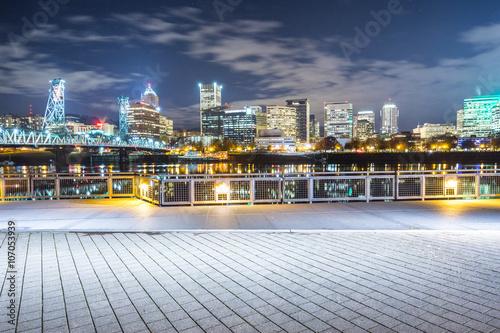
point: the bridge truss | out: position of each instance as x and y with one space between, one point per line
18 137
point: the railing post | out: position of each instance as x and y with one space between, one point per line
423 187
367 188
478 183
252 191
2 189
58 187
394 186
110 186
29 187
311 190
160 198
191 191
31 184
282 188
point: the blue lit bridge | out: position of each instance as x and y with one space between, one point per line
24 138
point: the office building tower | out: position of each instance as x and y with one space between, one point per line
389 119
478 116
338 120
144 121
364 129
303 111
367 128
460 121
150 97
283 118
166 126
261 121
212 123
496 121
240 125
210 95
210 98
313 128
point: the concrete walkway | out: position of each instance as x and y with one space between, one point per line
136 215
413 281
120 266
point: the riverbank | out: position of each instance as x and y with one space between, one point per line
463 157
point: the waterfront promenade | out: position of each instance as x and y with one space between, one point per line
136 215
123 265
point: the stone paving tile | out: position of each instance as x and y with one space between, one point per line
257 282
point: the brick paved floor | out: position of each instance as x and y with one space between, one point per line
384 281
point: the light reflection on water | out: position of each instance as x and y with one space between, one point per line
239 168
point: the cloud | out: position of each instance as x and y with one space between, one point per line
28 73
484 36
271 67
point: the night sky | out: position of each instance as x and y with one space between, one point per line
426 55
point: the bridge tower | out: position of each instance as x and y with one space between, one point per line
55 118
123 105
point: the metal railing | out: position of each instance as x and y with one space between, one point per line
256 188
65 186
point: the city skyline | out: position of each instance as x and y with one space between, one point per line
104 54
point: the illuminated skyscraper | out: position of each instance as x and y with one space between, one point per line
364 125
303 111
389 118
144 121
496 121
283 118
478 116
240 125
460 121
210 95
150 97
212 121
338 120
313 128
210 98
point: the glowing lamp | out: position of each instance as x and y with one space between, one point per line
222 188
451 183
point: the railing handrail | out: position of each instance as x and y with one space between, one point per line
250 175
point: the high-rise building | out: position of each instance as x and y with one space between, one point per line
496 121
166 126
144 121
478 116
150 97
210 98
364 129
338 120
460 121
210 95
313 128
240 125
212 123
261 121
367 128
389 118
283 118
303 111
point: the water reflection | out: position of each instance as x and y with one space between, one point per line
238 168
